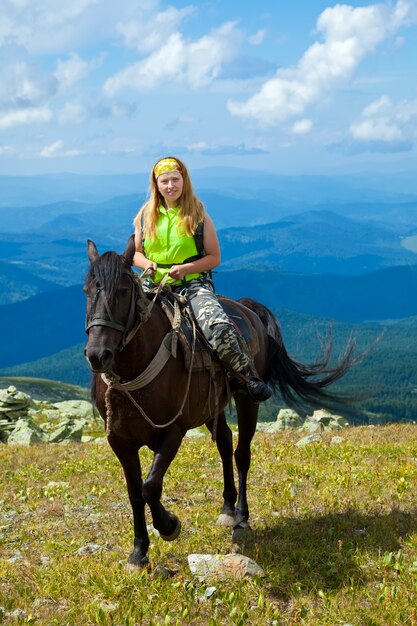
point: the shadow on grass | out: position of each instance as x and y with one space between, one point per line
325 552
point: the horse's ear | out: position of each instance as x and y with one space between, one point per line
128 254
92 251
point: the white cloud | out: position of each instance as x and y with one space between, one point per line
349 35
194 63
47 26
74 69
22 83
56 150
302 127
72 113
19 117
150 31
386 122
257 38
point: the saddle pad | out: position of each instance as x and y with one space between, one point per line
204 358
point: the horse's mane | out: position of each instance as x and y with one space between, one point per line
106 270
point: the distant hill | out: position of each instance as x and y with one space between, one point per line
363 187
386 379
390 293
53 321
311 242
41 325
315 242
17 284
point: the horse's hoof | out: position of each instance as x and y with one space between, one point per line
133 563
175 532
226 519
241 532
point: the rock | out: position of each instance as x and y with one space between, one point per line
67 430
287 418
324 420
268 427
16 615
305 441
336 440
195 432
26 433
108 607
89 548
223 566
163 572
100 440
75 408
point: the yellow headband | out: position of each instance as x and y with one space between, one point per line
165 165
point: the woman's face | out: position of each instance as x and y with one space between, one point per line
170 185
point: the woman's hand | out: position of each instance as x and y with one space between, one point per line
150 267
178 271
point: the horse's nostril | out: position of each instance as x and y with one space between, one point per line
107 355
99 360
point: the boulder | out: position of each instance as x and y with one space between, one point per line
67 430
26 433
305 441
324 420
217 566
286 419
76 408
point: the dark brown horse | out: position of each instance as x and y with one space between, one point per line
147 396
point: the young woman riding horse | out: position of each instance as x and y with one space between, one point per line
165 240
149 397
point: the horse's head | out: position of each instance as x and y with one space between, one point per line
112 300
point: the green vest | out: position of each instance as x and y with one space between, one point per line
171 246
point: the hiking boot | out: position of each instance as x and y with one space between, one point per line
257 389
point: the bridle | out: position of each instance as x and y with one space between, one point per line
133 321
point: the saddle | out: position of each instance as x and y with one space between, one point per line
191 339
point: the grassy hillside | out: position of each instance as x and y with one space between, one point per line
43 389
334 528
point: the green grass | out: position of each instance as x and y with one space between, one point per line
334 527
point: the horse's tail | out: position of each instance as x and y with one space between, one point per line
302 386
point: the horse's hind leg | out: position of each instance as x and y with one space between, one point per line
224 442
166 523
129 459
247 412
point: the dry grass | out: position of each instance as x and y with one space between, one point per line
335 528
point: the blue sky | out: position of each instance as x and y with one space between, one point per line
97 86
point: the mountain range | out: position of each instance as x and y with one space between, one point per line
312 248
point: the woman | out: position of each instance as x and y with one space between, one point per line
166 237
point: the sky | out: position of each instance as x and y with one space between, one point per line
308 86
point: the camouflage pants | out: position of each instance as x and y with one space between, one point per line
216 326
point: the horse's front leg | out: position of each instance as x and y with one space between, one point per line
127 453
166 523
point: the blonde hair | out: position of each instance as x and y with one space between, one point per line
191 209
